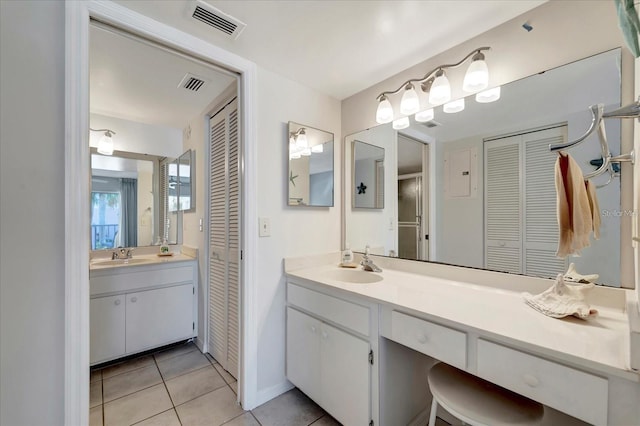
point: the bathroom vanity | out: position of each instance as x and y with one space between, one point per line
360 344
141 305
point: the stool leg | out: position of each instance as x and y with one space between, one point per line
432 414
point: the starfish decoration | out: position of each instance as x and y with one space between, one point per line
362 188
292 178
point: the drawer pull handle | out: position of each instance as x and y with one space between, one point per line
531 380
117 302
134 299
422 338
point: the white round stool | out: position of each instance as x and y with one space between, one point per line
478 402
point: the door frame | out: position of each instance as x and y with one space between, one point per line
77 224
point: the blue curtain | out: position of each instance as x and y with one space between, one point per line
129 232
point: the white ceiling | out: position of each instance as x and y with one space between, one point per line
340 47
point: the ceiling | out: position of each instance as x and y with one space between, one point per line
340 47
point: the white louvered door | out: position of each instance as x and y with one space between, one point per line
224 237
521 230
503 206
540 236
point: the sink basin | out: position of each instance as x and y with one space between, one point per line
134 261
354 276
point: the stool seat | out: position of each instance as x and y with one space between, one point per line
478 402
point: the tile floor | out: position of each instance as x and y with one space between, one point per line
181 386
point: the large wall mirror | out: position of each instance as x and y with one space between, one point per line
311 171
476 188
367 180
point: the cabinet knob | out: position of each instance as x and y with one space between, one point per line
422 338
117 302
313 328
324 335
134 299
531 380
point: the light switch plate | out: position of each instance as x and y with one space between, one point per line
265 226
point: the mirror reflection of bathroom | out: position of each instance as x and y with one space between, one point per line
368 176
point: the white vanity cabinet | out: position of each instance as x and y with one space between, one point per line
137 308
329 353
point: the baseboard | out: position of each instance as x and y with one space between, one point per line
200 344
268 394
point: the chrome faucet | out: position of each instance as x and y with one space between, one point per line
367 263
122 253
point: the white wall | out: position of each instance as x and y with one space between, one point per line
141 138
32 213
295 231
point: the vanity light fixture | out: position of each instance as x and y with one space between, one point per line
487 96
316 149
300 136
401 123
105 145
454 106
424 116
436 83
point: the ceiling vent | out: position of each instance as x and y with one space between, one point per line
431 124
191 82
217 19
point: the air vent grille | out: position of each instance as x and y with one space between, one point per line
431 124
191 82
217 19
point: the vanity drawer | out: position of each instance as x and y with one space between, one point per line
347 314
574 392
156 275
440 342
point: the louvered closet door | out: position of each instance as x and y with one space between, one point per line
503 242
540 223
224 235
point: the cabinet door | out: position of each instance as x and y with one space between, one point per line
107 328
345 376
157 317
303 353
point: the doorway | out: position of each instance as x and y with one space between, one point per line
77 189
413 198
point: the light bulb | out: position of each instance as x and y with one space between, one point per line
410 104
305 152
487 96
105 146
454 106
477 76
440 91
294 155
384 114
317 148
424 116
301 140
401 123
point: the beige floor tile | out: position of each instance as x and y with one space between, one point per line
212 409
182 364
246 419
292 408
326 420
95 416
127 383
137 406
95 394
96 375
225 374
194 384
168 418
175 351
127 366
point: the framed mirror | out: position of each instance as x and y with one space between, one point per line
311 168
367 180
459 163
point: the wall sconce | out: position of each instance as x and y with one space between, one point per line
105 145
436 84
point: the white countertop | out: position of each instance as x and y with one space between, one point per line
141 260
599 344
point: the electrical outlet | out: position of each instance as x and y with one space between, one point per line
265 226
